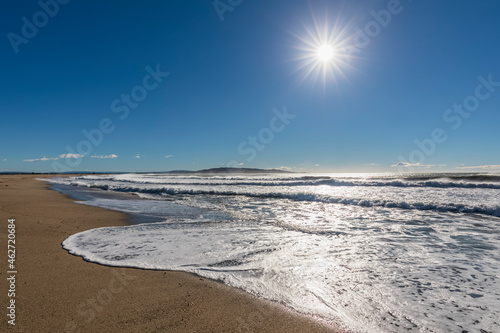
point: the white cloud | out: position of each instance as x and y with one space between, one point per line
137 156
483 167
412 165
104 156
168 156
316 165
283 168
70 155
53 158
241 163
4 159
41 159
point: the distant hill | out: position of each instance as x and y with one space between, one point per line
231 170
204 171
240 170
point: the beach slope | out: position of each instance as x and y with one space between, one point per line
59 292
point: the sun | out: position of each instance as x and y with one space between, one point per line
324 51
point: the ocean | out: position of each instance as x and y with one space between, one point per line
373 252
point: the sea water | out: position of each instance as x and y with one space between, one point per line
376 253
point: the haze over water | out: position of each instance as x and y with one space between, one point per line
377 253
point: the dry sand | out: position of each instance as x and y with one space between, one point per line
59 292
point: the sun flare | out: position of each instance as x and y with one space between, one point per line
324 51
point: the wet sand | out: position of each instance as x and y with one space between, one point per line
59 292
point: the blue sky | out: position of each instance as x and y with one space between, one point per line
418 90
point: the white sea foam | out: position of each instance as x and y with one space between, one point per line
376 258
466 197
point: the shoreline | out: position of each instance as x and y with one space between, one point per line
60 292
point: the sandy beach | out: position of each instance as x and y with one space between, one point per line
58 292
